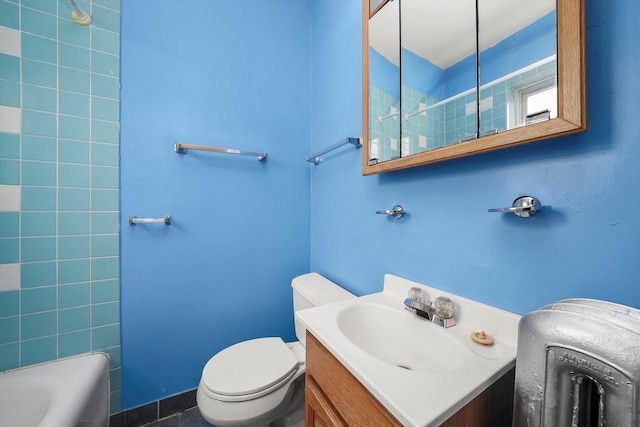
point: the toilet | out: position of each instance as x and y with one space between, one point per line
261 381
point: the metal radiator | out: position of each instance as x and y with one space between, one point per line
578 365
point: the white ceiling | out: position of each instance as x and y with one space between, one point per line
444 31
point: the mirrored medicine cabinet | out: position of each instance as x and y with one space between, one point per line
444 79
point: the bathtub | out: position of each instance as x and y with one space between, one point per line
70 392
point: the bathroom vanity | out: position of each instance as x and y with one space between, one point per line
334 397
371 362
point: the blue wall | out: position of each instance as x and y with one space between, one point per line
422 75
384 74
533 43
529 45
285 78
587 246
219 74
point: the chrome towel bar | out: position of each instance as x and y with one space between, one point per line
181 148
133 220
315 158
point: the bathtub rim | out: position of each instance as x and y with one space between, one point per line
47 362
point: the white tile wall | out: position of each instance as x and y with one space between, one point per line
486 103
470 108
10 198
373 148
406 146
10 119
10 41
422 141
10 274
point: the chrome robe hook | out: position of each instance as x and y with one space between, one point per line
396 211
523 206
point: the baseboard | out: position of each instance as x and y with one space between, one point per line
154 411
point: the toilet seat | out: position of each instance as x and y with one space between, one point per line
249 369
261 381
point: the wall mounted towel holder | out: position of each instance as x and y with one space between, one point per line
181 148
315 158
166 220
523 206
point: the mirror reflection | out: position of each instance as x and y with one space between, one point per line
459 72
384 82
438 73
518 78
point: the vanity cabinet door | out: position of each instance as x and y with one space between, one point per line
334 397
491 408
319 412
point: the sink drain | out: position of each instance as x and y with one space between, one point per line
404 367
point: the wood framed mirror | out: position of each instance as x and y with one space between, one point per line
454 81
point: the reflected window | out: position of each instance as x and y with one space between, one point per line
538 102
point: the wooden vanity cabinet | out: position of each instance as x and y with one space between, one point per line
334 397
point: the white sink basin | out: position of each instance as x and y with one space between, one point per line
422 373
401 338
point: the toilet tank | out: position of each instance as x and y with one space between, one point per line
312 290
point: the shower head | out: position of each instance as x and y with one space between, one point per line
79 16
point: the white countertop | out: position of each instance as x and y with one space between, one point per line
420 398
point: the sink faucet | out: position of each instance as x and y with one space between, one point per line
418 307
441 314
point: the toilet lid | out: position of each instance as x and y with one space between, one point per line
249 367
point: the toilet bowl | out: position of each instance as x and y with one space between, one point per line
250 383
259 381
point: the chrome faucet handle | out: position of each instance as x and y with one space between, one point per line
443 307
443 312
419 295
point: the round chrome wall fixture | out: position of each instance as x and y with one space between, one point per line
397 212
523 206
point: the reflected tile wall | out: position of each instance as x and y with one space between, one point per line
384 114
59 183
422 122
456 119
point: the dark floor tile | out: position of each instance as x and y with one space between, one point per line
173 421
192 418
179 403
135 417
